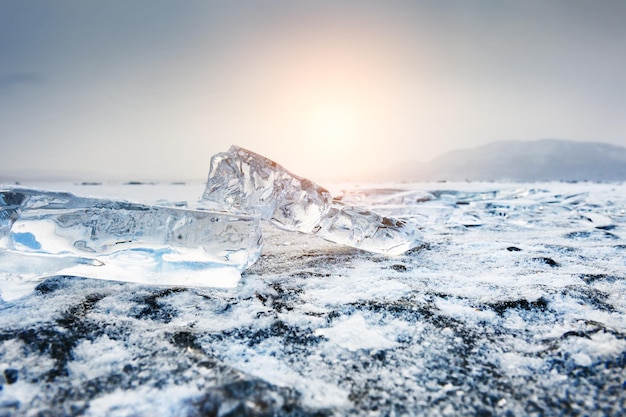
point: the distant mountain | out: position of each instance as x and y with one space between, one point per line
541 160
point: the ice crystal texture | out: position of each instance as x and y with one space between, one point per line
243 181
111 239
250 183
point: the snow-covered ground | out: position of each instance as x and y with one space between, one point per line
514 305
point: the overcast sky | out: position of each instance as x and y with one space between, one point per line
150 89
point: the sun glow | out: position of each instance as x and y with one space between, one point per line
325 104
333 128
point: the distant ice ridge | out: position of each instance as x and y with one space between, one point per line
249 183
50 233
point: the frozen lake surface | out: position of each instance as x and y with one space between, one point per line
515 305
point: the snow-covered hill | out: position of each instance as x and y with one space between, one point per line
541 160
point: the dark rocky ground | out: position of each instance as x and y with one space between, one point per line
507 310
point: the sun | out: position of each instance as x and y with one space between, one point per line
333 128
335 123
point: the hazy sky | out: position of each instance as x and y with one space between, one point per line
150 89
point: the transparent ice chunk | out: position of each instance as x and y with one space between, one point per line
46 233
51 233
245 182
366 230
250 183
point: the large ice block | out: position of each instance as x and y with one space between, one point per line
50 233
250 183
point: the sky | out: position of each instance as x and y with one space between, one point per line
151 89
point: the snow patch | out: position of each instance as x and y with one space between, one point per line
354 334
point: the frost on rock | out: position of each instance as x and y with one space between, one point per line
51 233
250 183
